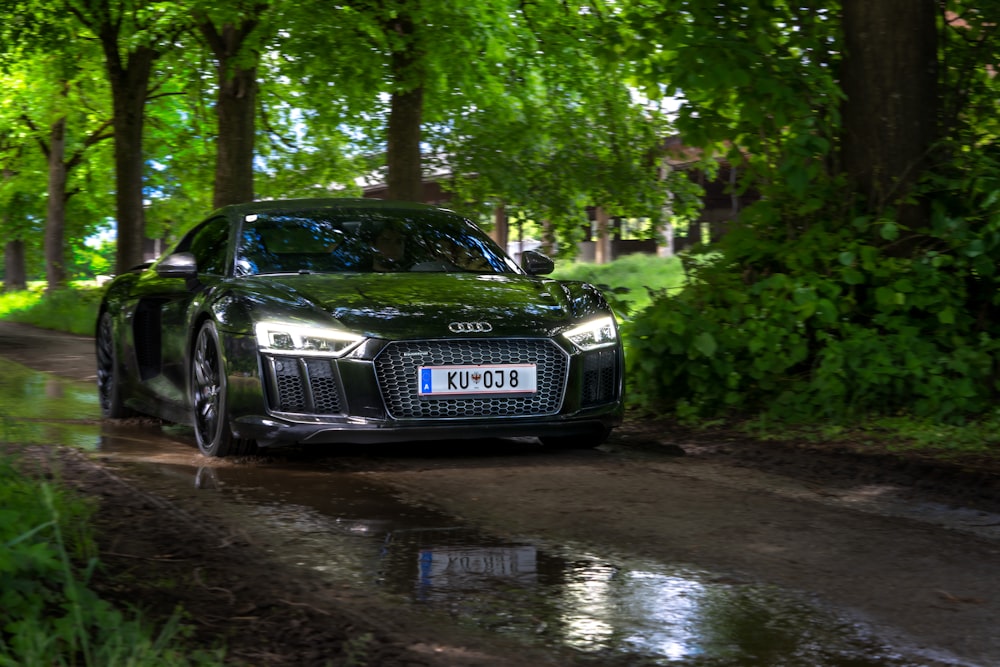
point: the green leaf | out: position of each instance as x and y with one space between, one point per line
903 285
889 231
975 248
705 343
853 277
885 296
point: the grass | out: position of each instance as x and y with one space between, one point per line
73 309
975 443
48 615
630 281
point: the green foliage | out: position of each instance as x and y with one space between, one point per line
73 309
48 615
630 282
837 321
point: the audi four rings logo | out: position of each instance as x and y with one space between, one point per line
470 327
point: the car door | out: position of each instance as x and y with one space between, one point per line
165 307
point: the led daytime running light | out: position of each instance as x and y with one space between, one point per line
304 340
594 334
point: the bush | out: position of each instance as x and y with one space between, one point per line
836 323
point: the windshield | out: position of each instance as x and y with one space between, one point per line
366 240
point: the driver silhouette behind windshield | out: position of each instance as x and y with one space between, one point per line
388 249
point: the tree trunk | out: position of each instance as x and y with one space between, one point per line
602 248
15 268
15 276
129 85
890 114
405 178
548 238
55 218
501 228
235 109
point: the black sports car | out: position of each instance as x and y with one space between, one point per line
356 320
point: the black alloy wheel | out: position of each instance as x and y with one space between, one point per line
109 385
209 398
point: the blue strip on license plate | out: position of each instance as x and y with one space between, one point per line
477 380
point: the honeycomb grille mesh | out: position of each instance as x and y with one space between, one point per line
304 386
397 366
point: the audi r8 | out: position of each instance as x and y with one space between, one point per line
325 321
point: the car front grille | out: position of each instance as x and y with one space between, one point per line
396 368
303 386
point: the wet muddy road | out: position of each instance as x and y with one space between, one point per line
629 554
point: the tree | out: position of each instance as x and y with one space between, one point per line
52 96
890 109
63 154
562 132
865 279
233 34
132 34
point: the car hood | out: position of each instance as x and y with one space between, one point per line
406 305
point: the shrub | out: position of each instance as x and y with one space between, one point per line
834 321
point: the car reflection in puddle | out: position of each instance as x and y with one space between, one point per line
614 609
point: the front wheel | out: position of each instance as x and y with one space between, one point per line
109 383
209 395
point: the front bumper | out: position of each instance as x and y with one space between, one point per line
279 400
270 432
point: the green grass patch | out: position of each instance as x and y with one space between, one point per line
48 615
629 281
73 309
976 439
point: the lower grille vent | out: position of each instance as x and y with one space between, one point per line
599 377
303 386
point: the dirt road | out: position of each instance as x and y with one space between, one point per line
908 553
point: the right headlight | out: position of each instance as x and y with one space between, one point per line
596 333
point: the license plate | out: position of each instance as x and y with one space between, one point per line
476 380
444 567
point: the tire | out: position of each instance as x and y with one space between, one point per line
587 441
209 398
109 383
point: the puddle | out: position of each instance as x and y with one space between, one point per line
612 608
37 408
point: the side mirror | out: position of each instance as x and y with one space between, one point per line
178 265
536 264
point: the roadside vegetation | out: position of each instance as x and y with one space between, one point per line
48 614
72 309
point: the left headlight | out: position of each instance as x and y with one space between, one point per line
600 332
305 339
